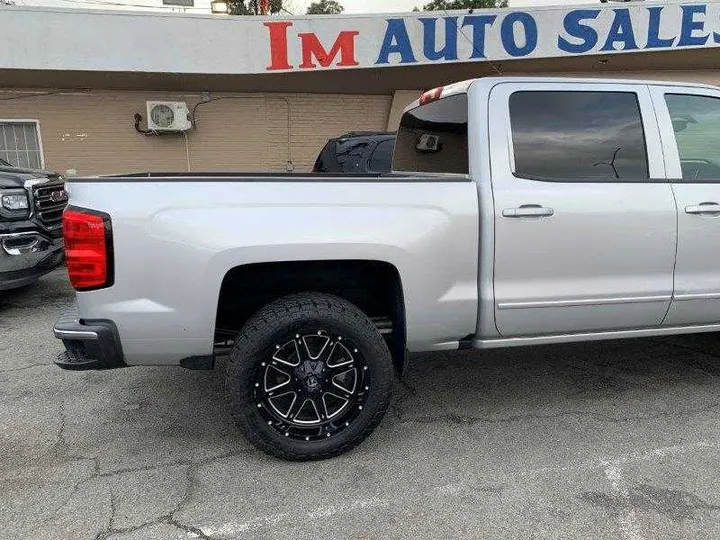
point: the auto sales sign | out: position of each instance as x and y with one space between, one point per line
486 35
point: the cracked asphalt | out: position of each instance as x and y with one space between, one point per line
597 441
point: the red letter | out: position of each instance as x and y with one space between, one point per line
344 46
278 45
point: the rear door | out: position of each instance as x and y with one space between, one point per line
690 128
585 223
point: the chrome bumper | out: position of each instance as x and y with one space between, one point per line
26 244
26 256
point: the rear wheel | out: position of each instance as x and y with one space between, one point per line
309 377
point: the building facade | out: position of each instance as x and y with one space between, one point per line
265 94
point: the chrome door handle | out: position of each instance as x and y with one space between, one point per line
528 210
706 208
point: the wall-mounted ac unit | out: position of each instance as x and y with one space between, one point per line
168 116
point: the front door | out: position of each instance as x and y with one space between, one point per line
690 129
585 223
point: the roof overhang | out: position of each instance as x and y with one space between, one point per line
373 81
89 48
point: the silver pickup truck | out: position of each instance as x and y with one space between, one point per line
522 211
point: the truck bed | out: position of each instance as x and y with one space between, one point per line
173 247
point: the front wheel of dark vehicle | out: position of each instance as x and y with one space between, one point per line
309 377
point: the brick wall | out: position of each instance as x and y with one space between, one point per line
93 132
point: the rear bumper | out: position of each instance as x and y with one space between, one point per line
89 345
26 256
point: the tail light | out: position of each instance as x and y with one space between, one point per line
431 95
88 248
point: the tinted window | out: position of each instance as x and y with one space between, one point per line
342 155
590 136
381 160
350 155
326 161
696 122
434 137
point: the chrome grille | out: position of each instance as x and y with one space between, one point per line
50 201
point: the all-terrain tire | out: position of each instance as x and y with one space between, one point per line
285 319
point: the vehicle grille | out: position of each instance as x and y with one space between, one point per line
50 201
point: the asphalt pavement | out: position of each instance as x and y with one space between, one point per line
616 440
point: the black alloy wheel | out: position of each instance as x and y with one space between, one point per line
312 386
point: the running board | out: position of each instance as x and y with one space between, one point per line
384 325
595 336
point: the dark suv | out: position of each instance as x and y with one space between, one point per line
357 152
31 207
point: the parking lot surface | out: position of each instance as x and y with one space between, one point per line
604 440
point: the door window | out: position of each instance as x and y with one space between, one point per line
578 136
696 123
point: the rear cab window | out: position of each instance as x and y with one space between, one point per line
433 138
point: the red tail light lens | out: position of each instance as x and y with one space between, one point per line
88 248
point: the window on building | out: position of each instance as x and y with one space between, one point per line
20 144
381 159
572 136
696 122
434 137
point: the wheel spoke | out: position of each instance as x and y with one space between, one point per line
275 379
307 413
333 404
281 402
316 346
346 380
287 354
339 356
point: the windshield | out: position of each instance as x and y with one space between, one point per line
3 162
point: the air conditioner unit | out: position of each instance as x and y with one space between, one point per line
168 116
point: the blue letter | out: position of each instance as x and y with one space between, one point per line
654 40
450 50
574 27
478 23
507 33
689 25
620 30
397 41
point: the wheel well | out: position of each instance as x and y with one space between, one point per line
373 286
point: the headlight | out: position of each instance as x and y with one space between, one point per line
15 202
